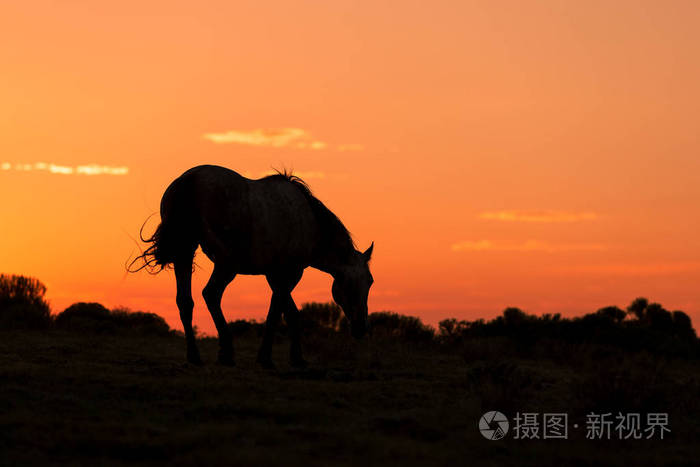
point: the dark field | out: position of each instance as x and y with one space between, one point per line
81 398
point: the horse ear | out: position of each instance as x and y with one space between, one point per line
367 255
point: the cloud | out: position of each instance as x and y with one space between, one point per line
89 169
276 138
545 216
530 245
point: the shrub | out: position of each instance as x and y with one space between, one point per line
94 317
649 328
515 316
389 324
637 307
658 317
242 327
323 316
84 316
22 303
140 322
315 319
682 325
613 313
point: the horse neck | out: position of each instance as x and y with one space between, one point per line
333 255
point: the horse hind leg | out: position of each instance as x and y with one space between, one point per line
185 304
212 293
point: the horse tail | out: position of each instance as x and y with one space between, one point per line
157 256
173 238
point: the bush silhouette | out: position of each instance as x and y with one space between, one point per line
514 316
22 303
613 313
323 316
658 317
644 326
140 322
651 328
682 325
449 328
82 314
638 307
328 319
94 317
389 324
316 318
243 327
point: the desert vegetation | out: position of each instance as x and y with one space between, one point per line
89 385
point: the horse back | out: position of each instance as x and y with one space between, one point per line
256 226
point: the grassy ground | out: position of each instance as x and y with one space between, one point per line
96 400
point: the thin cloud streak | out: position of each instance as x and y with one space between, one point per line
544 216
276 138
89 169
530 245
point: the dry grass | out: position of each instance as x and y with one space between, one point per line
112 400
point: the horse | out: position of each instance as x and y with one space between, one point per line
273 226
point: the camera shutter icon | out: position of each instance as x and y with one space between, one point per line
493 425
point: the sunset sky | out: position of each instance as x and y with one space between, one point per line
540 154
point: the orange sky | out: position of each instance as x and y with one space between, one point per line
535 154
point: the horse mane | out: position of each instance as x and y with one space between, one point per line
329 222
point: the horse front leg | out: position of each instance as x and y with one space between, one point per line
282 283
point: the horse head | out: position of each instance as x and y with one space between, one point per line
351 288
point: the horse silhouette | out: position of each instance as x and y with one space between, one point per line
274 227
